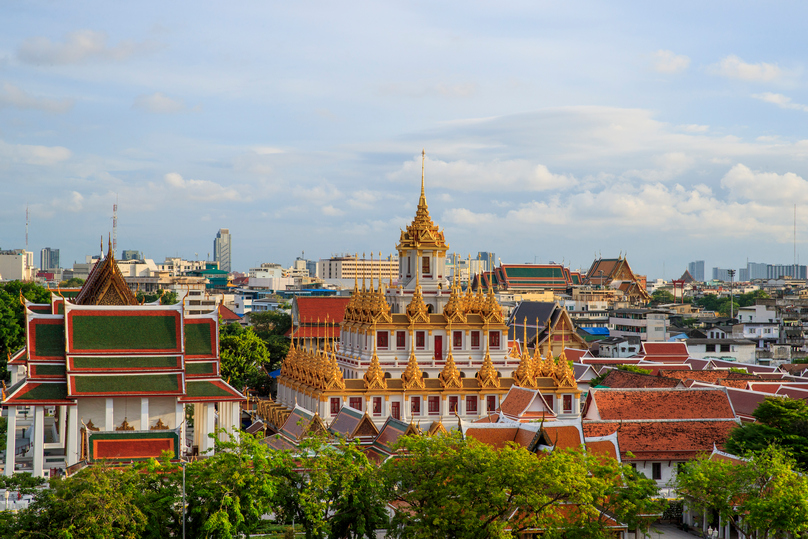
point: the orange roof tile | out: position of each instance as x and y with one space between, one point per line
564 436
665 349
624 379
322 307
495 437
621 404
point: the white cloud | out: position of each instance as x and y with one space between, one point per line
332 211
158 103
496 175
765 187
76 202
734 68
33 155
781 101
695 128
200 190
78 47
670 62
13 96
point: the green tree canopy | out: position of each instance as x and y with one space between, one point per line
166 298
780 421
73 282
12 317
662 296
242 357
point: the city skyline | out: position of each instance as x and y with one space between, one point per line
552 133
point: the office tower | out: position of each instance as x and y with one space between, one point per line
221 249
489 260
757 270
696 270
129 254
721 274
49 259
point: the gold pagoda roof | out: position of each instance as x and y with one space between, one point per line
105 285
422 233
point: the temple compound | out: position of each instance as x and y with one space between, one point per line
103 377
421 350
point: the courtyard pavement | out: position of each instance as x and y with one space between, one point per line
669 531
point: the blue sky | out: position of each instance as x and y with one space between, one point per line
553 131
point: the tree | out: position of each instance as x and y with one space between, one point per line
660 297
241 358
12 317
449 486
73 282
272 326
338 494
166 298
780 421
764 494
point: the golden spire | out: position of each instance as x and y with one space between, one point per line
374 376
538 368
422 233
412 376
450 377
487 375
524 372
416 309
334 379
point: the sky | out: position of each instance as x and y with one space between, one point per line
553 131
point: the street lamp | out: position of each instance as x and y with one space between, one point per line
731 290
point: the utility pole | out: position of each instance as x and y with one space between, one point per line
731 293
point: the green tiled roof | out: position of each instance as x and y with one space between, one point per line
110 332
49 370
208 367
205 389
49 340
105 362
147 383
198 340
44 391
534 272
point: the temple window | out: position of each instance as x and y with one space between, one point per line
494 336
395 410
491 402
415 405
425 265
567 399
471 404
656 471
433 405
453 404
457 337
420 340
401 340
377 406
475 340
550 404
336 404
381 340
355 403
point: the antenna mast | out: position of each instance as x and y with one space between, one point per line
115 226
25 255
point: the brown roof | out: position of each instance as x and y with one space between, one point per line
495 437
226 314
664 440
624 379
105 285
665 349
602 447
726 378
621 404
563 436
794 368
331 308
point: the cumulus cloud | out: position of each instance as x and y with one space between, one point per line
158 103
496 175
781 101
199 190
734 68
670 62
332 211
13 96
765 187
77 47
33 155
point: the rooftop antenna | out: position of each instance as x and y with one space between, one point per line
26 243
795 238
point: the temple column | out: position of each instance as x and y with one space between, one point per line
108 417
208 427
199 424
10 440
179 422
62 411
72 442
144 413
39 441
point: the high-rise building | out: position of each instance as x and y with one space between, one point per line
129 254
696 270
757 270
49 259
221 249
721 274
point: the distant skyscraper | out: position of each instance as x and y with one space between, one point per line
221 249
489 259
721 274
129 254
49 259
696 270
757 270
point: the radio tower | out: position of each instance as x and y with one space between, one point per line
25 255
115 226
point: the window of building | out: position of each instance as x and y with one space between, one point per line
725 348
425 265
381 340
419 340
395 410
377 406
433 405
355 403
475 340
471 404
336 404
549 400
453 404
491 402
709 348
494 336
656 471
457 340
401 340
415 405
567 404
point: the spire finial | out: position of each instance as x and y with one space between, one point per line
423 159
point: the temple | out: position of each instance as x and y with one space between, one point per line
103 377
420 349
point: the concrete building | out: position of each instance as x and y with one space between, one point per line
49 259
267 270
129 254
350 267
648 324
17 265
696 269
222 249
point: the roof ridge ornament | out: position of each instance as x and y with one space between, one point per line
374 376
487 376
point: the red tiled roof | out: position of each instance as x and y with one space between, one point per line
794 393
744 402
622 404
712 377
227 315
665 349
672 359
495 437
563 436
573 354
610 360
624 379
318 332
516 401
764 387
659 440
330 308
602 447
